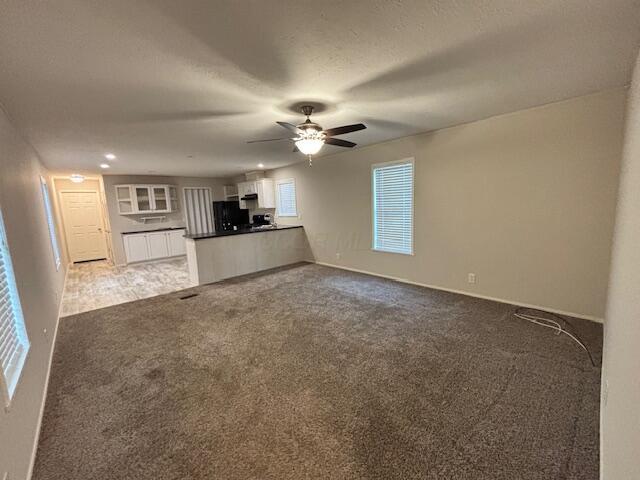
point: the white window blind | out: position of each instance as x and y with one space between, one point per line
393 207
51 225
13 336
286 192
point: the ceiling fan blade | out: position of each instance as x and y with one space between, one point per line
339 143
268 140
344 129
290 127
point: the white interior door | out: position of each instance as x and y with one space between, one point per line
198 210
82 219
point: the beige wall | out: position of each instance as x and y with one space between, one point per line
128 223
40 289
621 364
525 201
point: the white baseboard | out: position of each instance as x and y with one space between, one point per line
34 452
469 294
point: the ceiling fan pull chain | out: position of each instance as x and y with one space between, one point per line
310 161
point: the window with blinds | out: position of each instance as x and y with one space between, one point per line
13 336
52 229
286 198
393 207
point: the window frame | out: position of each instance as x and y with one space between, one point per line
51 226
403 161
295 197
8 387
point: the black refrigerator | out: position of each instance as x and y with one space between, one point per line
226 215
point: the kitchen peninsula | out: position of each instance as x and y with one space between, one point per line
215 256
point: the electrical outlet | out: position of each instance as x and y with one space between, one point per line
338 255
471 278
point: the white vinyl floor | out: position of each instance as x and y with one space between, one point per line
94 285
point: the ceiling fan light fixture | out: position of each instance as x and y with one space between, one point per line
309 146
309 137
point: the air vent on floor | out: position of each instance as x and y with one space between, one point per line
191 295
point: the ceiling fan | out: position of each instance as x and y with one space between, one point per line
310 137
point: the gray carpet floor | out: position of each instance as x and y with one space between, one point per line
311 372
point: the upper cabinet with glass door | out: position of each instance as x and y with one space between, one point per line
160 195
136 199
173 198
144 202
124 197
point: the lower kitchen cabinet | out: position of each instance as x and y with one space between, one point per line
135 246
158 245
176 242
139 247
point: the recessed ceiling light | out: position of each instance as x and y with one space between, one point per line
75 178
109 156
261 165
104 165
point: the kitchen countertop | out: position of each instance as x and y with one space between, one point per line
154 230
200 236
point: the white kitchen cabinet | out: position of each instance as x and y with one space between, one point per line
231 192
160 198
135 199
247 188
176 242
266 193
264 188
124 198
143 197
136 248
158 245
173 199
140 247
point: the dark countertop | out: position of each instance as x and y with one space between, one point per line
154 230
242 231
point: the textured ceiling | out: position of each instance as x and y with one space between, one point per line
177 87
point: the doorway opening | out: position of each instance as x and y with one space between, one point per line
81 215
